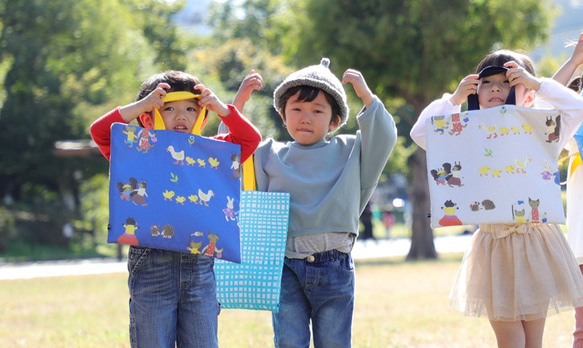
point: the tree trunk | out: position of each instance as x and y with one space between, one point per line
422 246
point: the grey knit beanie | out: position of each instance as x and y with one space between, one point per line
318 76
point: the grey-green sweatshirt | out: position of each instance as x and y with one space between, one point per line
329 182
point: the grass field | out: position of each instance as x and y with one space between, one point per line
398 304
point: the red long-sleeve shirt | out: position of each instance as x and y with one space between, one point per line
242 132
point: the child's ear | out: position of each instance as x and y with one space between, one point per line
146 120
529 98
282 115
334 123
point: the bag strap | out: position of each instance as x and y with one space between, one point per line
249 183
181 95
473 103
576 162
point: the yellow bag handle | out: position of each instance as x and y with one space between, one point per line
574 164
180 95
249 183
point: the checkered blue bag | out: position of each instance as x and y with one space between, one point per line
255 283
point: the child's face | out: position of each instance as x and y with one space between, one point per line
309 122
494 89
180 115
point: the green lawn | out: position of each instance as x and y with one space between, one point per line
398 305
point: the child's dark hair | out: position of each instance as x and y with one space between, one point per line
178 81
500 57
308 94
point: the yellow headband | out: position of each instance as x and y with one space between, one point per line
181 95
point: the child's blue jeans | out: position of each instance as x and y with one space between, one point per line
173 299
319 288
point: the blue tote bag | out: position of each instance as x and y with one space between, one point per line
255 283
174 191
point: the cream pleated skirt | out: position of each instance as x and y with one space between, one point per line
517 272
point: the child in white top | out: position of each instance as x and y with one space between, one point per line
516 278
575 182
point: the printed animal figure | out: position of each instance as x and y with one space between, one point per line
211 248
510 169
178 156
484 170
190 161
515 130
440 124
535 216
154 231
230 213
201 163
194 247
168 195
489 130
475 206
449 214
496 173
235 164
547 175
144 142
214 162
456 125
193 199
504 131
139 194
167 231
204 198
521 165
488 204
454 174
131 136
553 128
180 200
527 128
519 216
439 175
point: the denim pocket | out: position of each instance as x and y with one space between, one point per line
136 257
346 263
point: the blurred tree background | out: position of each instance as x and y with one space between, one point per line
63 63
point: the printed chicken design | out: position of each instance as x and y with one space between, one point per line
204 198
214 162
178 156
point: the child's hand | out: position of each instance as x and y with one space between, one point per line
149 103
577 56
516 75
154 99
468 86
211 101
252 82
566 71
357 81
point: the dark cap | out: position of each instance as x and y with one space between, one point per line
492 70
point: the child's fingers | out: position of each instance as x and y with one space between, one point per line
200 88
352 76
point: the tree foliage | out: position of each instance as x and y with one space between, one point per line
62 64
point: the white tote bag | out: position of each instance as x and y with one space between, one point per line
497 165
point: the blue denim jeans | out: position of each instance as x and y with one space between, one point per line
319 289
173 299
